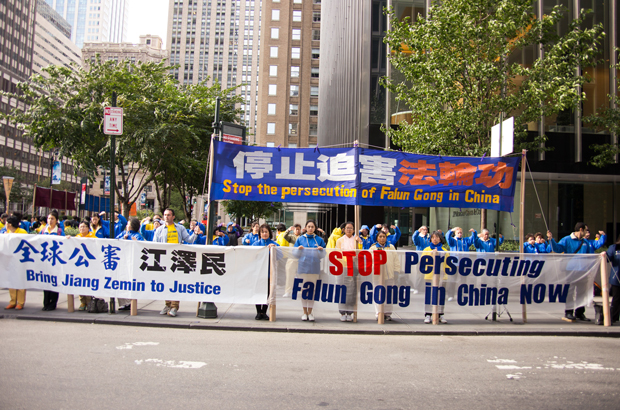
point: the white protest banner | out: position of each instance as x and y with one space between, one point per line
134 269
402 280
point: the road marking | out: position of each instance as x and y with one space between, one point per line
127 346
182 364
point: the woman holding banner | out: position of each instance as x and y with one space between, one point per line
388 271
18 296
97 227
309 267
435 246
50 298
85 232
348 242
265 240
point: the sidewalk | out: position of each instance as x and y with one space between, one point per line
462 321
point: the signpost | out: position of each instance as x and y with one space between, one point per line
8 184
113 121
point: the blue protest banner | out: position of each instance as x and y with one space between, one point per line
357 176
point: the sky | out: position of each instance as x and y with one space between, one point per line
147 17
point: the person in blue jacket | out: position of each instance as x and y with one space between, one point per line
265 240
421 238
119 224
392 239
541 245
613 254
309 267
456 242
252 236
222 239
50 298
596 243
365 236
574 243
484 243
132 233
148 234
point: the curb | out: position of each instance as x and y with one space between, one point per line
391 332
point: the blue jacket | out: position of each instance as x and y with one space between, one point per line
367 241
391 239
570 244
529 248
309 261
543 247
459 245
250 238
421 242
119 227
57 231
221 240
597 244
486 246
130 236
147 234
263 242
614 256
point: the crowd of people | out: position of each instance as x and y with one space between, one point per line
307 265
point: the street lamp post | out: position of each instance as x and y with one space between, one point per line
8 184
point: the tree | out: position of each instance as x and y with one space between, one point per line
251 209
19 191
458 74
162 121
607 119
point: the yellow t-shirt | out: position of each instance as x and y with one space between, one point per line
90 234
173 235
40 228
280 239
18 230
1 225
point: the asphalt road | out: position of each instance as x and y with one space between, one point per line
47 365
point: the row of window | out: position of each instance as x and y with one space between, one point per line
295 52
292 129
293 109
294 90
295 33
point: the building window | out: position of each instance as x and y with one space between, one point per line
273 51
313 130
316 52
275 15
296 52
275 33
293 109
295 91
316 34
271 144
314 72
316 16
296 15
314 110
296 34
273 71
292 128
294 71
271 128
315 1
314 91
296 1
292 145
271 109
273 88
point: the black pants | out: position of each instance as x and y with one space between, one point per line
578 312
50 299
615 303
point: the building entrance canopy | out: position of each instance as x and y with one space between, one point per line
358 176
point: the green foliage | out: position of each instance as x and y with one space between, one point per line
509 246
251 209
143 213
605 119
71 231
458 74
166 126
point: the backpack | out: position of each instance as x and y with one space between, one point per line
97 305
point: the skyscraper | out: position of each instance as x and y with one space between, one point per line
217 40
94 20
288 102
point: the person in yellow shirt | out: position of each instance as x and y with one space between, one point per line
85 232
3 219
18 296
434 247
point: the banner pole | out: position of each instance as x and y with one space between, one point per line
134 307
271 298
605 290
210 214
358 224
522 222
34 196
70 304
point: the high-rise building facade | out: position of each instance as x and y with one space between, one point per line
288 101
94 20
148 49
218 40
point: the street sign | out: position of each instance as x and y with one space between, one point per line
232 139
113 121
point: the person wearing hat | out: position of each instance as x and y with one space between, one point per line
146 233
364 235
220 238
233 234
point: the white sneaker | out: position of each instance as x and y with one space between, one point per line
428 319
310 317
173 312
286 295
165 310
304 317
415 291
349 318
442 320
450 299
343 318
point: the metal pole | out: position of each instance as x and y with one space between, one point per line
216 134
522 221
112 309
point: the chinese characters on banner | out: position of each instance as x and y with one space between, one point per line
357 176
